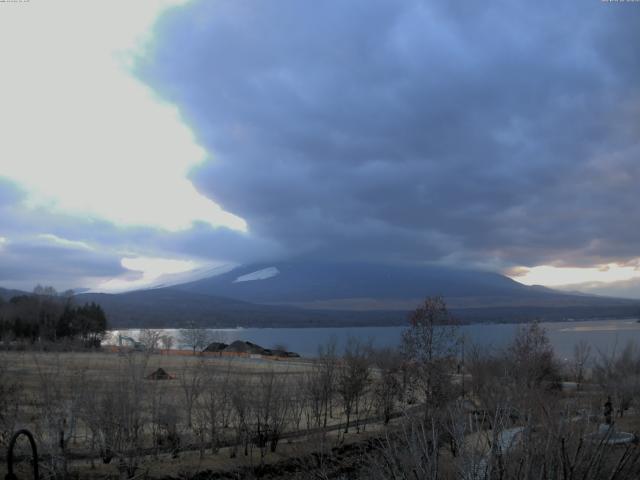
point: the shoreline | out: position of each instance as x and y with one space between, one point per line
374 325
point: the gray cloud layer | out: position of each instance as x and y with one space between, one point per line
496 132
68 251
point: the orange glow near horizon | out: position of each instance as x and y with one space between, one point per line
551 276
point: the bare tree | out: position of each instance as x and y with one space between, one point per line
619 376
241 415
155 405
194 337
489 381
298 401
11 398
554 448
312 384
387 384
166 341
353 378
430 344
520 380
121 419
86 414
59 399
269 410
558 449
191 383
326 364
531 357
581 355
150 339
215 404
412 452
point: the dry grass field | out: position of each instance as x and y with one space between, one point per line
365 414
105 400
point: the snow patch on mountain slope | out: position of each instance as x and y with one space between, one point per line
258 275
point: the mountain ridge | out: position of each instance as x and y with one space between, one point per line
303 294
314 294
311 284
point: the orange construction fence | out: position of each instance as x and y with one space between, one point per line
190 353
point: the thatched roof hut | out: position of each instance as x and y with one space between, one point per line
215 347
240 346
160 374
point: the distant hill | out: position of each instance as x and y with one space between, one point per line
359 286
172 308
312 294
293 294
7 293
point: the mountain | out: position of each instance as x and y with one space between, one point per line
315 281
295 294
306 294
361 286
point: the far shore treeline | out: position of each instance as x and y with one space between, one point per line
47 316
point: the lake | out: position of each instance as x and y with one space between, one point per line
603 335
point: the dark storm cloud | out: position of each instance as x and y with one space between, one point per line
35 247
46 260
65 250
494 134
499 132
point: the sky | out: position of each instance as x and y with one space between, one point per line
142 140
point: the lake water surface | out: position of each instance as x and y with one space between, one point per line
604 336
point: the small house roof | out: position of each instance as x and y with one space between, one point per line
160 374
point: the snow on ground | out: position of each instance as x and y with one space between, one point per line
258 275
